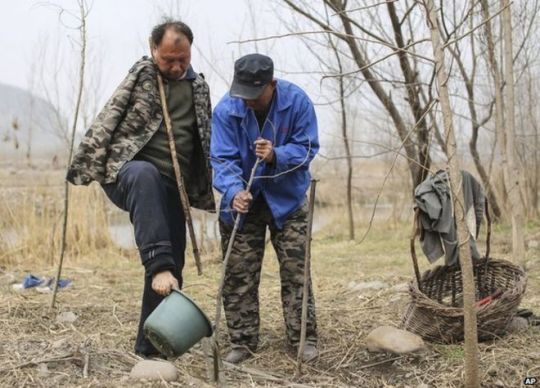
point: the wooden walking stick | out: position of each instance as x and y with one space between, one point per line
178 174
222 281
307 265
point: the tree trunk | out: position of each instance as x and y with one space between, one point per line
347 35
490 189
532 163
82 31
349 159
383 97
463 235
492 60
413 95
513 176
346 144
536 176
536 183
475 129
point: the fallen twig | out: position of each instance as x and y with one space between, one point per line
378 363
65 357
85 368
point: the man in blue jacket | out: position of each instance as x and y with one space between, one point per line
272 120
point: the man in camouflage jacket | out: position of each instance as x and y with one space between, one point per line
126 150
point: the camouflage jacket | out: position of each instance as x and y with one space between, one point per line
127 122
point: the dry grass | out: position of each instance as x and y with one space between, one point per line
96 350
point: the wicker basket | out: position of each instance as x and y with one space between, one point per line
436 308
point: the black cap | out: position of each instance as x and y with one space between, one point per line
251 74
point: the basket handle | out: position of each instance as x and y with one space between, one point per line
415 232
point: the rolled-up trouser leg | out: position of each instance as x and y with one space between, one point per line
289 244
242 277
158 221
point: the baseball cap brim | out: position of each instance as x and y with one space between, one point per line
246 92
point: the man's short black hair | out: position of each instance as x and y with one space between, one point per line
158 31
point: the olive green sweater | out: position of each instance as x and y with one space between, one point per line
180 106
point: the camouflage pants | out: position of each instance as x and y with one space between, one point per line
241 288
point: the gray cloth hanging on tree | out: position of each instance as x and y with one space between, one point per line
438 235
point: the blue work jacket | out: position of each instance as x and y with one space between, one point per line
291 125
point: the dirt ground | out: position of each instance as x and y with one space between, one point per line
96 350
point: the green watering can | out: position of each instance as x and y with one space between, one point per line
176 325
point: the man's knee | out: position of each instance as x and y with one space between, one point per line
140 173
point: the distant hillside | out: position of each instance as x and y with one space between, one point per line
22 114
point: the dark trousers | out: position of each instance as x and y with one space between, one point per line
155 211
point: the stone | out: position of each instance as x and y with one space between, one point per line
66 317
492 371
518 324
18 287
7 279
367 286
44 290
401 287
61 343
42 370
393 340
154 370
533 244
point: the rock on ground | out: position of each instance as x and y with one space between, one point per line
518 324
61 343
154 370
401 287
390 339
66 317
533 244
7 278
367 286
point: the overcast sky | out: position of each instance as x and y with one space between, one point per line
118 31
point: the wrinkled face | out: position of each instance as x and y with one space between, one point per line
172 55
261 104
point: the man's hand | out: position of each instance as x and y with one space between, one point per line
241 201
264 150
164 282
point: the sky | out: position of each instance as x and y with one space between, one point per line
36 41
117 36
117 32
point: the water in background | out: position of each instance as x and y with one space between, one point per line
121 230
